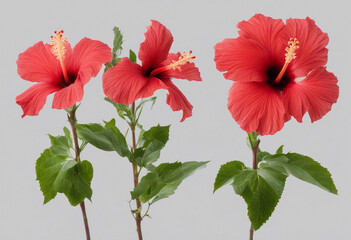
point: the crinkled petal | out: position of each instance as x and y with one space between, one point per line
242 59
256 107
38 64
154 50
34 98
187 71
176 100
315 95
68 96
88 57
312 52
267 32
125 83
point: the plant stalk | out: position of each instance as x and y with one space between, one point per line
73 120
137 213
255 150
251 232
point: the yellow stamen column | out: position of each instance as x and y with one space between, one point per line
58 49
289 56
183 59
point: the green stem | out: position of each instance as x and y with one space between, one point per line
147 211
137 217
255 148
73 120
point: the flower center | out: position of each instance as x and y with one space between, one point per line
183 59
58 49
272 72
289 56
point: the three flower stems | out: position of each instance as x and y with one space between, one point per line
73 120
136 213
254 143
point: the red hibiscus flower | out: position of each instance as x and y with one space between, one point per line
128 81
267 62
57 68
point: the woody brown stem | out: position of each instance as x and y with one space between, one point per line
137 213
73 120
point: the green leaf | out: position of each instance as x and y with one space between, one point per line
261 189
83 145
227 172
107 66
158 133
276 159
107 138
60 145
122 110
261 155
164 181
147 188
152 153
136 156
151 142
97 135
68 136
47 168
142 103
57 174
74 181
63 180
280 150
117 48
132 56
140 107
308 170
117 42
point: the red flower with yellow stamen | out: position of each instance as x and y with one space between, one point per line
266 62
128 81
57 68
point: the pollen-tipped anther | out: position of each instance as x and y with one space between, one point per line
290 50
183 59
58 48
175 65
58 45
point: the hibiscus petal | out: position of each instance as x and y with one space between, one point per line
312 52
68 96
154 50
88 58
256 107
267 32
34 98
176 100
315 95
125 83
243 60
38 64
187 71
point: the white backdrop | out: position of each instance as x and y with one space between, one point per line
304 211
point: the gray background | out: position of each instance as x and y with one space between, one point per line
304 211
